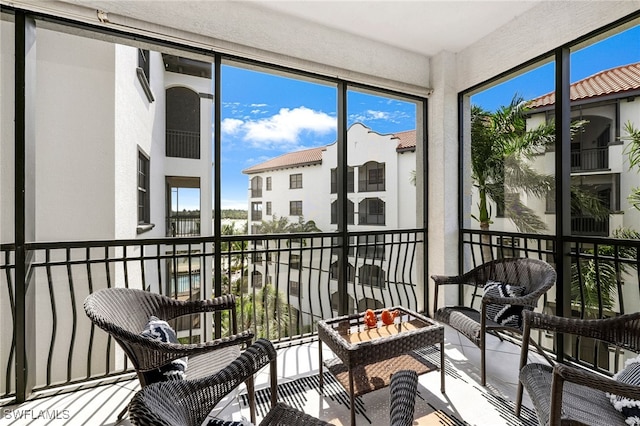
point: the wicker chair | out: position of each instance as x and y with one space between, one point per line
535 275
403 389
189 402
564 395
124 313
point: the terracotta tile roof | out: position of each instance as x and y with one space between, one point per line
616 80
305 157
406 142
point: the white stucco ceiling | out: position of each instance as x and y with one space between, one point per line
422 26
426 27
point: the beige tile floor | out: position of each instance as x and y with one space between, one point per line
100 405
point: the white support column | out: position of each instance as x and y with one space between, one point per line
443 172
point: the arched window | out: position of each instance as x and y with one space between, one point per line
334 273
371 212
371 177
256 186
369 303
335 298
334 180
350 212
182 123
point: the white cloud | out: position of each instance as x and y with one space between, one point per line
378 115
231 126
283 128
372 115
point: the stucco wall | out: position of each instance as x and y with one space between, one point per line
74 138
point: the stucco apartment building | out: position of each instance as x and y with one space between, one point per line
606 101
303 184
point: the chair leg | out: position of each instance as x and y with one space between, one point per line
483 369
123 412
483 344
251 394
519 399
273 375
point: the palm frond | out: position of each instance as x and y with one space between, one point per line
634 198
586 202
632 150
523 217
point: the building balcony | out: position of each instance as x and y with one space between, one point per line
589 225
183 226
182 144
590 159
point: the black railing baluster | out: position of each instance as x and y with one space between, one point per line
92 329
54 316
74 313
8 266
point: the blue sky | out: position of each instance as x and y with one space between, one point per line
266 115
621 49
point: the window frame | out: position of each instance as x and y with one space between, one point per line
295 208
143 188
143 72
295 181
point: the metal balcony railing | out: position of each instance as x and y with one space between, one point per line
603 283
183 226
590 159
182 144
589 225
283 286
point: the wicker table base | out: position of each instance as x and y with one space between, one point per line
366 358
377 375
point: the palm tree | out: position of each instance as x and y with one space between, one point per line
265 312
501 152
594 282
274 226
633 153
233 249
501 146
281 226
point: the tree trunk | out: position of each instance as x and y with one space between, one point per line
487 252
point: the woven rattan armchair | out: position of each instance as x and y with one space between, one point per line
565 395
535 275
403 389
124 313
189 402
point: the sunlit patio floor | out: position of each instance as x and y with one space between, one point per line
464 403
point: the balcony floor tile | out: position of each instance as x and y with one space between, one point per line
465 401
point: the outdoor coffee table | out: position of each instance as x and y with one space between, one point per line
372 355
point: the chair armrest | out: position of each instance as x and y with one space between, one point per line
159 353
191 401
448 279
402 401
596 381
613 330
